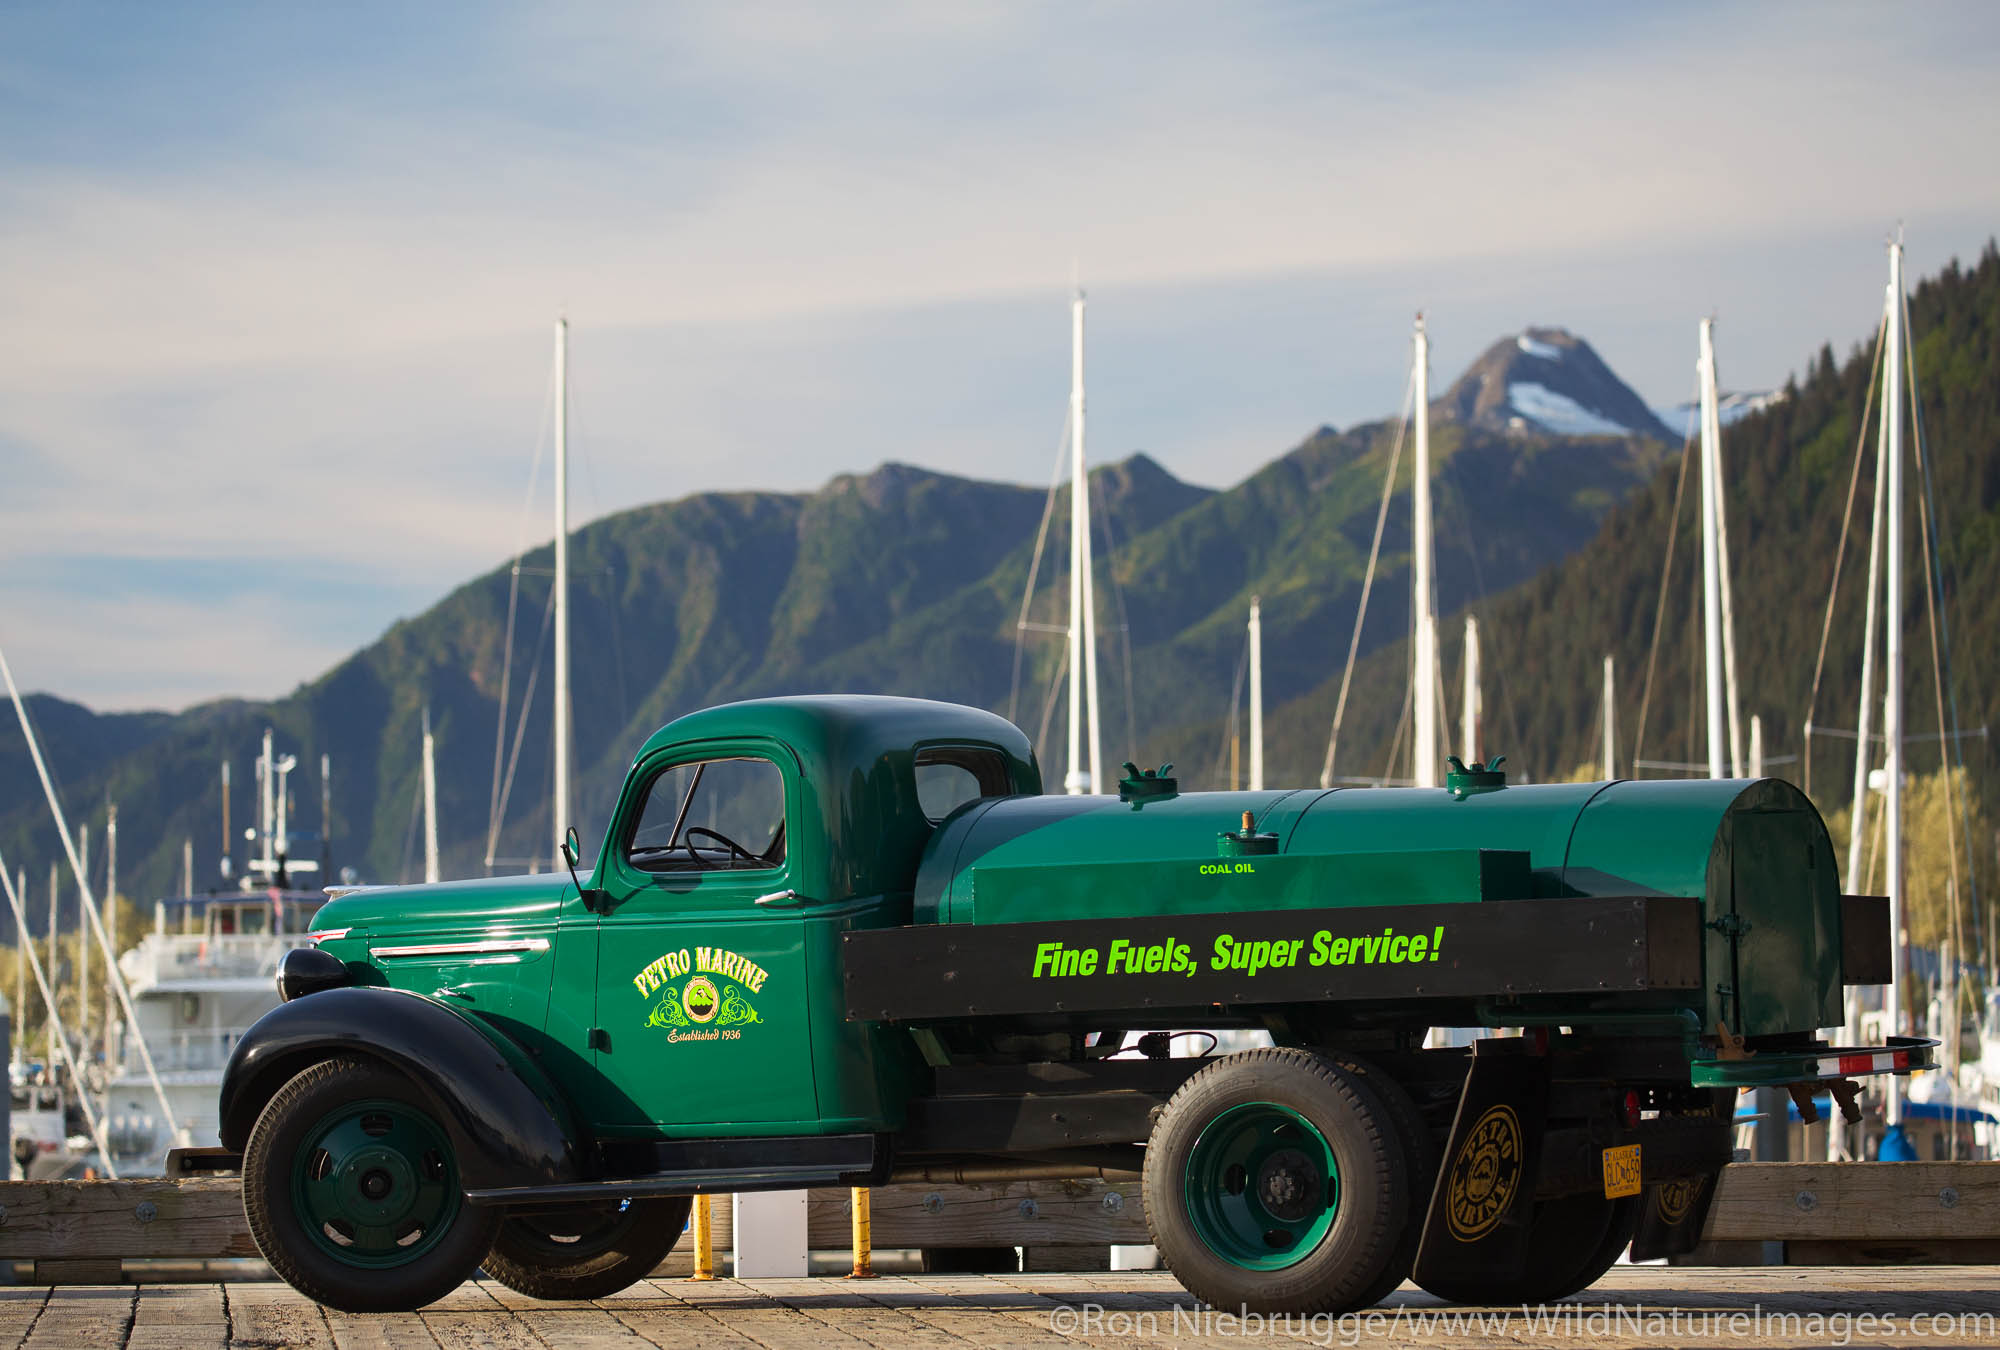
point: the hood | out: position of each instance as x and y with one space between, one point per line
448 905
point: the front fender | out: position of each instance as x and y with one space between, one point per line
508 1124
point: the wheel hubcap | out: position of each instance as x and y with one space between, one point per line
374 1184
1262 1186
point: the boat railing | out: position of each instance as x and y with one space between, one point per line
164 957
191 1048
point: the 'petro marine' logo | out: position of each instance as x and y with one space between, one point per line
1484 1175
699 999
1675 1199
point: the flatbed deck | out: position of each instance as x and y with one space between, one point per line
1631 1306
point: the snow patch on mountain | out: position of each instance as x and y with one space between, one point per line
1559 412
1535 348
1685 417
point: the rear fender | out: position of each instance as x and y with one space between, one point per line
508 1124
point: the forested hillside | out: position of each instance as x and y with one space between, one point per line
1789 468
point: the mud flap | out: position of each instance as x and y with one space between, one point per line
1481 1208
1674 1211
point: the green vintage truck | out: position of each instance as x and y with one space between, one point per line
846 940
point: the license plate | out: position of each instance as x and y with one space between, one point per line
1621 1171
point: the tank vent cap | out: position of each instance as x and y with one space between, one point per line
1245 843
1464 780
1153 783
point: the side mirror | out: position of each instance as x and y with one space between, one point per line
572 851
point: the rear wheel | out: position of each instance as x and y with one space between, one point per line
586 1251
352 1190
1420 1152
1274 1182
1572 1240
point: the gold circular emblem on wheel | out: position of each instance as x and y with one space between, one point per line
1675 1198
1484 1175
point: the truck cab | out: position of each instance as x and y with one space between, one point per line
844 940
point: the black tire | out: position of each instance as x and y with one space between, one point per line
1346 1261
586 1251
285 1157
970 1260
1420 1156
1624 1222
1572 1241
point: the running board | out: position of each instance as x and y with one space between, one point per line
676 1183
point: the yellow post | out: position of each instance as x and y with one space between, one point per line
704 1238
864 1254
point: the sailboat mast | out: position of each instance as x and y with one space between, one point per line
1892 625
1469 718
431 873
1425 702
1610 720
110 929
1256 696
1711 562
55 951
559 806
1082 621
1731 703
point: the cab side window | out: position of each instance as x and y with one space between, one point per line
949 776
714 815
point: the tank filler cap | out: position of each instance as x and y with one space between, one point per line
1148 786
1464 780
1247 842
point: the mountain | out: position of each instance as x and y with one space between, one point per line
899 579
1551 380
1789 466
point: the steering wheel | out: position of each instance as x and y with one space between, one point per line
736 850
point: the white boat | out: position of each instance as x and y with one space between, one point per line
198 981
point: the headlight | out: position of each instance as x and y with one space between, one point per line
308 970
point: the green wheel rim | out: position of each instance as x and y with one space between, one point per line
1262 1186
374 1184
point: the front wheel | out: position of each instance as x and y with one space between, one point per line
586 1251
352 1191
1275 1182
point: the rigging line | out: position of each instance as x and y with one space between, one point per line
1402 725
60 1032
500 714
579 437
1049 706
87 902
1934 542
1124 620
496 807
1666 581
1932 603
1368 582
1230 724
1840 550
410 835
527 703
1035 565
1503 702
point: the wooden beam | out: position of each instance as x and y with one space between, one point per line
1911 1203
990 1214
79 1220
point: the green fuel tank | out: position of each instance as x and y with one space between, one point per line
1755 852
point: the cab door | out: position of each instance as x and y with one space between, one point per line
701 968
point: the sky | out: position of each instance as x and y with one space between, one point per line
278 282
